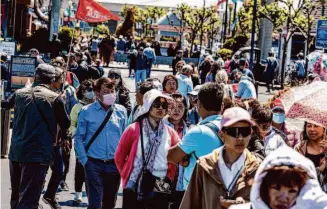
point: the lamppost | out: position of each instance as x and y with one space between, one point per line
253 33
234 19
226 17
230 7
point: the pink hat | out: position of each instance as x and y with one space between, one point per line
234 115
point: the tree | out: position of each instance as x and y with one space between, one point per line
284 13
245 16
181 13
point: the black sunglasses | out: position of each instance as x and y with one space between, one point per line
157 105
236 131
114 76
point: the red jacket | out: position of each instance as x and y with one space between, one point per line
127 148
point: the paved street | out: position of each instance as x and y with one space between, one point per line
65 198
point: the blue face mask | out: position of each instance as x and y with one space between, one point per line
279 118
90 95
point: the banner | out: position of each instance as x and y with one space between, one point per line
90 11
220 2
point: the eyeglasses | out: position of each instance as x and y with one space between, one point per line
114 76
157 105
236 131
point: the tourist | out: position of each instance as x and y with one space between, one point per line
211 76
185 84
177 58
141 156
245 88
151 55
170 84
141 65
225 176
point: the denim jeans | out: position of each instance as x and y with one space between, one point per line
148 70
27 181
102 181
79 176
140 76
57 174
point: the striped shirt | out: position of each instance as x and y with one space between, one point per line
246 89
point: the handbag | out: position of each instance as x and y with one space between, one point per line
151 184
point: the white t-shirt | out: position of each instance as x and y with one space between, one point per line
230 175
160 163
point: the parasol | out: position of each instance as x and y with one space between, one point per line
308 103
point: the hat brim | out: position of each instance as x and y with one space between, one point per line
233 121
144 109
278 108
193 93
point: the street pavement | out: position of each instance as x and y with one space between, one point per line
65 198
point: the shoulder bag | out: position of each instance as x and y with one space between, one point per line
151 184
98 131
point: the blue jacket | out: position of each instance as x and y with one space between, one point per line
141 62
121 45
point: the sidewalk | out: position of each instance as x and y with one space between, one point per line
159 68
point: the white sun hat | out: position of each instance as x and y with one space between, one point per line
149 98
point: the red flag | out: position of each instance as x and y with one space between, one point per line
220 2
90 11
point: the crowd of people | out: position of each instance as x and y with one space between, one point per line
199 139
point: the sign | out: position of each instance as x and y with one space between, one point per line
8 47
22 70
91 11
321 37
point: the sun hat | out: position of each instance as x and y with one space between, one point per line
149 98
114 71
234 115
195 90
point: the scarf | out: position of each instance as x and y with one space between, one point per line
150 152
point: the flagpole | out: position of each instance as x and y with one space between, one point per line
69 53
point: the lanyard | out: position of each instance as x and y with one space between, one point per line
229 188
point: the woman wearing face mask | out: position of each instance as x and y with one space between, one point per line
177 120
285 180
141 156
122 92
85 95
278 121
313 145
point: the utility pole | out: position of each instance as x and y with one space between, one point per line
201 27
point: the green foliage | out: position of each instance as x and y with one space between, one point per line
236 42
225 52
102 29
245 18
65 35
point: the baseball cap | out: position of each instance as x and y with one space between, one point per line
195 90
234 115
149 98
277 104
242 62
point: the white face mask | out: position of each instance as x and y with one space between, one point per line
109 99
279 118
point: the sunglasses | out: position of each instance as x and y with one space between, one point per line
157 105
236 131
114 76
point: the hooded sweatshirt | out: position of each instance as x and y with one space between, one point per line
206 185
310 196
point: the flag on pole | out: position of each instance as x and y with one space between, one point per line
220 2
234 23
90 11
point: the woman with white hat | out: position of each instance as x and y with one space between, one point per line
141 156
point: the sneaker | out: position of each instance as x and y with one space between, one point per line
64 186
78 197
51 202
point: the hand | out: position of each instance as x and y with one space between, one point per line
322 167
66 146
225 203
323 143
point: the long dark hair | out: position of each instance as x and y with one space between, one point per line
215 67
183 100
304 135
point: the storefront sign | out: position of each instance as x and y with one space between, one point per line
8 47
22 69
321 38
